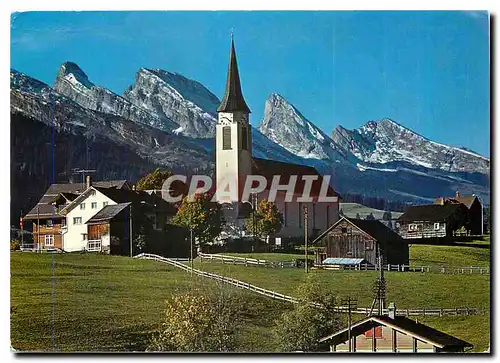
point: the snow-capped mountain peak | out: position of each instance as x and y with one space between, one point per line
173 96
74 83
284 124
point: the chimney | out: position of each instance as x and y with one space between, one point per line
457 194
392 310
89 181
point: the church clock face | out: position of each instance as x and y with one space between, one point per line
224 120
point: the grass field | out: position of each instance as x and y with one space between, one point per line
111 303
420 255
108 303
459 256
271 256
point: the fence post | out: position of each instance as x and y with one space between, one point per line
407 312
428 268
422 269
471 270
441 312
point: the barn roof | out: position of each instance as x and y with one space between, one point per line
374 228
404 325
107 213
269 168
429 212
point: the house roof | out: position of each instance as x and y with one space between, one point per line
429 212
466 200
107 213
374 228
270 168
67 189
233 97
404 325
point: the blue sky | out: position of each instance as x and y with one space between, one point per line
426 70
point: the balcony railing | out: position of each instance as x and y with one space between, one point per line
94 245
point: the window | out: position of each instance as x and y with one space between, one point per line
82 206
300 215
77 220
314 215
436 226
84 236
94 245
226 138
378 333
369 245
49 240
94 205
104 204
50 223
244 138
92 192
284 214
344 230
412 227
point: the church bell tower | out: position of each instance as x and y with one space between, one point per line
233 136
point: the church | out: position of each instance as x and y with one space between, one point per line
235 163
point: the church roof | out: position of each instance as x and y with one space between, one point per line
233 97
270 168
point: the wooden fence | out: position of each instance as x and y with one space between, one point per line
277 296
362 267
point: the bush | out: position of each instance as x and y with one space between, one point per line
15 245
198 321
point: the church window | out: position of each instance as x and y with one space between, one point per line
226 138
244 138
284 214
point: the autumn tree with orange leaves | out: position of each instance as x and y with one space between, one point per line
268 220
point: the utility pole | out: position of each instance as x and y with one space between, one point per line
192 264
351 303
254 210
22 228
38 229
130 218
379 287
305 236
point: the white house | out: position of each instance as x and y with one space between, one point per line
78 212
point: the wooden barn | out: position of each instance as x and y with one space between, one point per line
362 239
474 222
432 220
392 334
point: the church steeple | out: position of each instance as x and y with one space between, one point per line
233 97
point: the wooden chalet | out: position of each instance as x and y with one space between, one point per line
474 222
432 220
362 240
392 334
